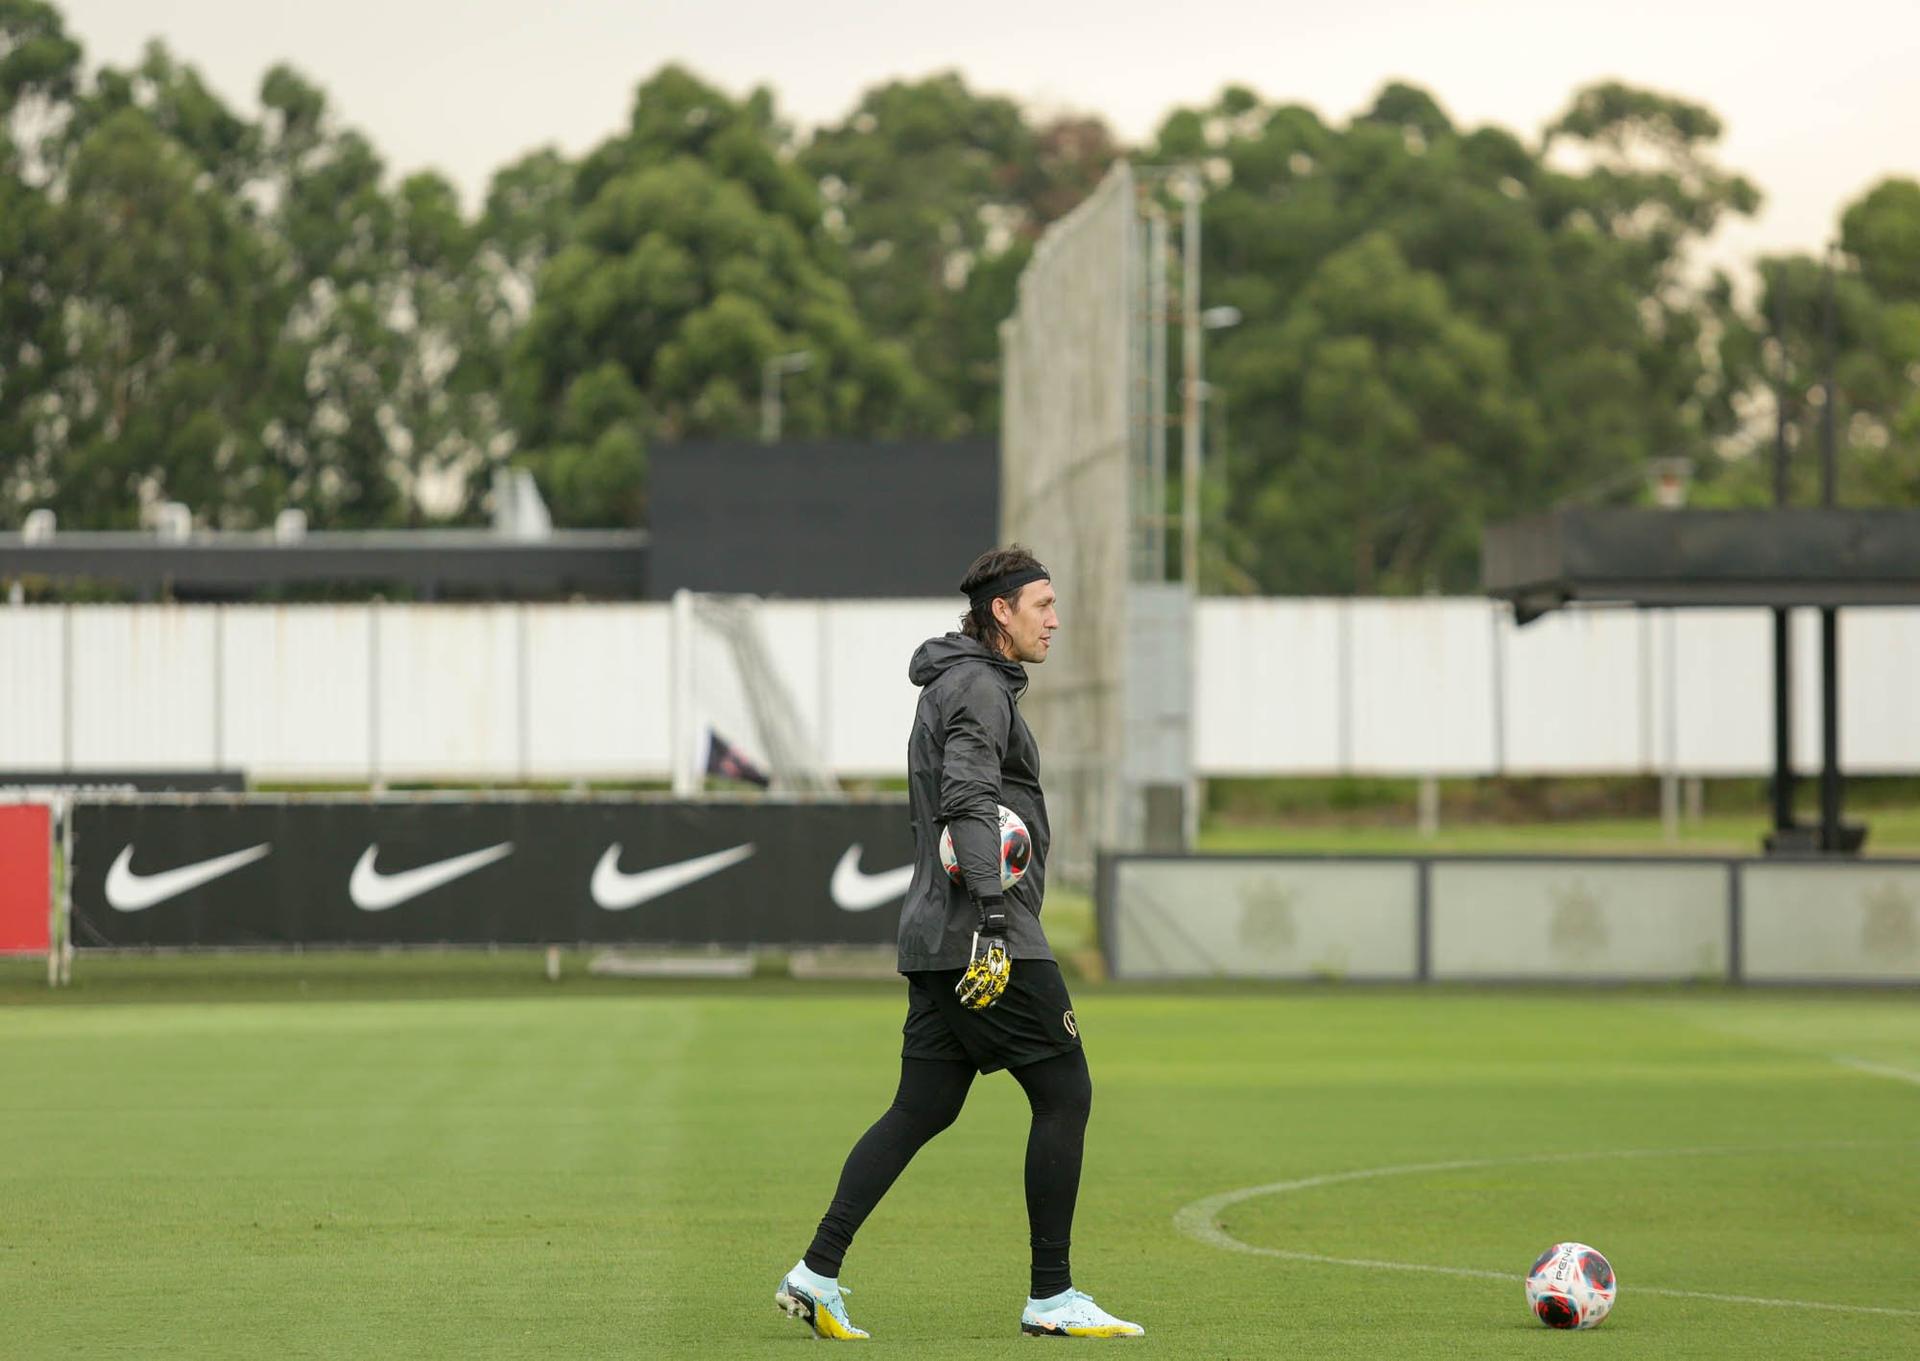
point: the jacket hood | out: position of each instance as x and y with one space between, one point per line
937 656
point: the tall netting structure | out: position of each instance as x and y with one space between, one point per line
1083 483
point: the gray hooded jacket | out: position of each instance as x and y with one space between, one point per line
970 751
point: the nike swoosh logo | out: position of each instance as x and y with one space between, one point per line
131 892
617 891
373 891
854 891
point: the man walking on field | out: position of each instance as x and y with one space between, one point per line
983 990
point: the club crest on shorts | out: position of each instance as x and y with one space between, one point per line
1066 1019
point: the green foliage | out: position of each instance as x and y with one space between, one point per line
38 66
692 256
1881 230
38 61
937 194
1408 426
169 326
1441 325
229 312
1781 353
1446 326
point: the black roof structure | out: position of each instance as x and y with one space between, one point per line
837 518
849 519
429 564
1779 559
1704 557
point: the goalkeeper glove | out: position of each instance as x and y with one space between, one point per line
989 968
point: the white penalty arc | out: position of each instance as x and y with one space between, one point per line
1200 1220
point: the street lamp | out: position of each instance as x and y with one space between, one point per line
1196 390
795 361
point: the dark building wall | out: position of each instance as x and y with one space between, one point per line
820 518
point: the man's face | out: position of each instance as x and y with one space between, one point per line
1029 621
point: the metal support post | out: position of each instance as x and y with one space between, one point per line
1190 385
1830 730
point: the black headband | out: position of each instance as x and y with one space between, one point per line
990 590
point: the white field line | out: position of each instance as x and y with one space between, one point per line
1878 1069
1201 1220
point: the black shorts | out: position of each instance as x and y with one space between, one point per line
1033 1019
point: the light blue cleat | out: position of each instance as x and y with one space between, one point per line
816 1302
1073 1314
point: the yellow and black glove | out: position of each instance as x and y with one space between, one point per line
990 968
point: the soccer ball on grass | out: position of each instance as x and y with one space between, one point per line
1571 1286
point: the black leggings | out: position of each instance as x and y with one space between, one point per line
1059 1090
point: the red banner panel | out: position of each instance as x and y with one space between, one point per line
26 877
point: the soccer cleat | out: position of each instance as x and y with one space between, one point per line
816 1302
1073 1314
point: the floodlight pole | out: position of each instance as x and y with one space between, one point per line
1213 426
1156 548
1830 789
1190 388
1782 616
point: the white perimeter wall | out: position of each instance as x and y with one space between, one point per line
1454 687
1294 686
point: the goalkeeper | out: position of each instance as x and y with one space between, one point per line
983 990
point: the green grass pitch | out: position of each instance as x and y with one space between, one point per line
299 1158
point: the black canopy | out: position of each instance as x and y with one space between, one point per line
1775 558
1827 558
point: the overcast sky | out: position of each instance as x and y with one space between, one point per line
1819 99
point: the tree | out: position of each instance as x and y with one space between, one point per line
1881 233
1405 423
1441 324
528 215
230 312
169 325
393 415
1782 353
1549 279
694 254
1881 230
937 194
38 64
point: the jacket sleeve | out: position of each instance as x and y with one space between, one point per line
977 725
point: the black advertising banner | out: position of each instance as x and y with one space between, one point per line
261 872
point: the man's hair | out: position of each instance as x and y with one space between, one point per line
978 622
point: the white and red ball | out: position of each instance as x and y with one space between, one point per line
1571 1286
1016 850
